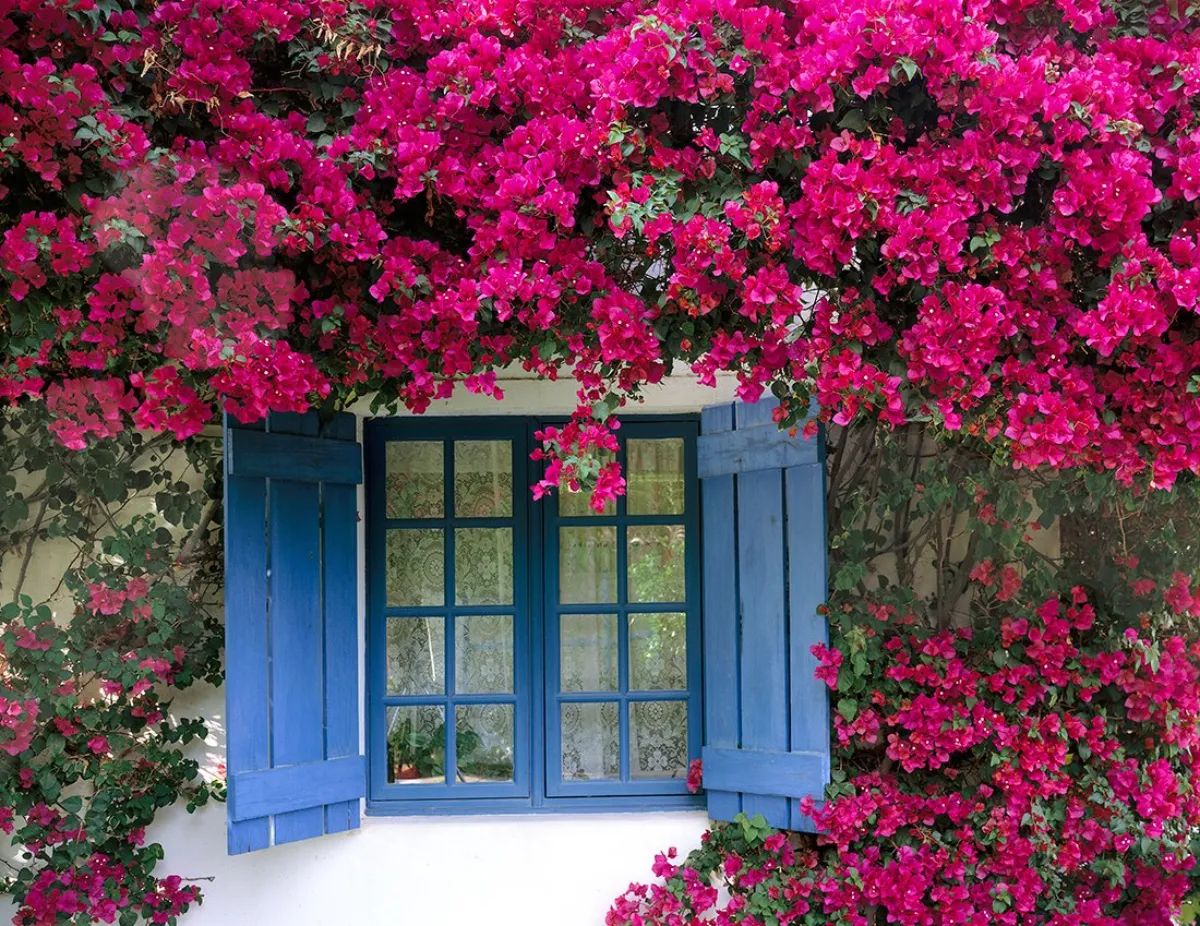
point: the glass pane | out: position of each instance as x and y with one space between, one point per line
415 479
484 742
655 476
483 654
483 565
657 651
416 744
416 656
483 479
658 746
591 745
656 562
587 564
416 569
578 504
588 644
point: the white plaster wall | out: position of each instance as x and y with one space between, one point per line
547 870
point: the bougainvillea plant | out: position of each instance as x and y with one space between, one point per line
1016 733
90 747
978 216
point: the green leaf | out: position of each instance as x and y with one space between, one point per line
72 804
854 120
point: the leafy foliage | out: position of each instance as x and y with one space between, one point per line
88 753
1016 733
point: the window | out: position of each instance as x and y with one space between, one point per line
522 654
505 682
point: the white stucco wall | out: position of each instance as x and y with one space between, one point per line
532 870
548 870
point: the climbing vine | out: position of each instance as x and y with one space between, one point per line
1014 673
91 655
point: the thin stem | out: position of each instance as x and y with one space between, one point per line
29 545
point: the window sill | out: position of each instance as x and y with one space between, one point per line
523 807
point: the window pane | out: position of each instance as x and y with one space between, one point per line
484 740
588 647
483 565
587 565
416 744
655 476
416 568
591 746
656 562
658 739
483 479
657 651
416 656
483 654
415 479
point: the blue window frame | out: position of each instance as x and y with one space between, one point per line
529 656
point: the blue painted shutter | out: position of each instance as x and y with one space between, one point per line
291 629
766 717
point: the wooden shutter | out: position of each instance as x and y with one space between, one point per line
766 716
291 629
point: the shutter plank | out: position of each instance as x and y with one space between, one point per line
722 694
295 787
296 457
297 711
764 682
757 772
340 612
805 487
721 691
247 695
758 447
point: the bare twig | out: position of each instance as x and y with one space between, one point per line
29 545
945 608
196 537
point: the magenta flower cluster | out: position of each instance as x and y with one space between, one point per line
1039 774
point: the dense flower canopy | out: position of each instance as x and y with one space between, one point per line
982 214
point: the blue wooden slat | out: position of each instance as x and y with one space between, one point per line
297 670
722 695
293 788
295 457
762 606
807 590
794 774
297 709
752 414
339 564
716 418
246 644
759 447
